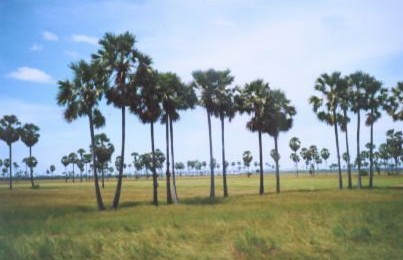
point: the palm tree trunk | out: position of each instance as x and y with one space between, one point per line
350 185
115 203
175 194
371 155
98 194
73 172
212 186
155 182
336 133
261 190
358 150
277 167
30 168
11 169
168 174
103 177
224 167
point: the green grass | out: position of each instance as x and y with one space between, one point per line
309 219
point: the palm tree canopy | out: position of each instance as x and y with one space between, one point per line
295 144
9 129
394 102
65 161
103 148
324 153
29 134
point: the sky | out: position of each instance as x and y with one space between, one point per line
286 43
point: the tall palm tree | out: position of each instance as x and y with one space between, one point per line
225 108
278 117
375 97
209 82
326 105
81 153
251 100
295 144
120 59
9 133
358 82
81 97
30 136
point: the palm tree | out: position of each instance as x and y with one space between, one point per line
278 117
394 102
247 159
394 143
375 96
325 154
32 163
103 150
73 160
9 133
358 81
65 161
52 169
30 136
251 100
81 97
209 82
295 144
326 106
81 162
119 58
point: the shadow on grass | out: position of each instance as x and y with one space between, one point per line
200 201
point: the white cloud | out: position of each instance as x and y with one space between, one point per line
85 39
49 36
36 47
30 74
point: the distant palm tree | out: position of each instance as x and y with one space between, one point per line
394 102
119 58
251 100
81 162
52 169
81 97
327 104
73 160
247 159
209 82
325 154
103 150
9 133
295 144
65 161
278 117
30 136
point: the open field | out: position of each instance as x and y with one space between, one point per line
309 219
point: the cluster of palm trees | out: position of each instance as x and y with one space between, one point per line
358 92
10 132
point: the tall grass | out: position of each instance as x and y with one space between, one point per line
309 219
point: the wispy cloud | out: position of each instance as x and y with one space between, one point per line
30 74
72 54
84 38
49 36
36 47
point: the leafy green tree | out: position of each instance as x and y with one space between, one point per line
247 159
295 144
326 106
9 133
81 97
394 142
103 150
29 136
394 102
210 83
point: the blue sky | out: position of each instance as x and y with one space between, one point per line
288 43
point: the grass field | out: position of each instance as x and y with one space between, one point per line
309 219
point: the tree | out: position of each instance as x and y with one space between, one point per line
9 133
81 97
247 159
394 143
120 60
326 105
325 154
209 83
394 102
103 150
251 100
65 161
81 162
295 144
52 169
278 117
29 136
73 160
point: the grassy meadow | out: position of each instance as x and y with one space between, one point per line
309 219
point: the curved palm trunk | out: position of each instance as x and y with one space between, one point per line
98 195
277 167
11 169
261 189
30 168
175 194
350 185
358 150
155 181
371 153
168 173
115 203
336 133
224 166
212 186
